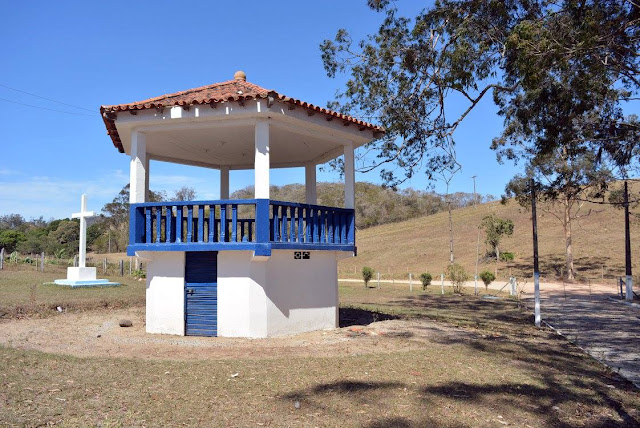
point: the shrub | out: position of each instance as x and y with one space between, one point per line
507 256
457 276
367 274
426 280
487 277
139 273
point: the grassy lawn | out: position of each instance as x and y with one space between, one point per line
25 292
505 373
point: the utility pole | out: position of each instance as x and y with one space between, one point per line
536 271
627 245
475 203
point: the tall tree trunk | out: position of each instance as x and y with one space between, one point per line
567 238
450 235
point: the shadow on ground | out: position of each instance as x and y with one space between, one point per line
357 316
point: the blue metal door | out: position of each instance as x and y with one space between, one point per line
201 293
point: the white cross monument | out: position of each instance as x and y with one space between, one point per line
83 275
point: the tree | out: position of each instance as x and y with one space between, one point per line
537 58
563 184
184 194
9 239
425 278
458 276
487 278
11 221
66 236
496 228
367 274
560 73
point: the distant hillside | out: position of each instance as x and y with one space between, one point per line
422 244
375 205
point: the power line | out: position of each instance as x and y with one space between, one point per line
46 108
45 98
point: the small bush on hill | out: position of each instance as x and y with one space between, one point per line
426 280
507 256
458 276
367 274
487 277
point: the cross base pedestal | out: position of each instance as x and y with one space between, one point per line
84 277
81 273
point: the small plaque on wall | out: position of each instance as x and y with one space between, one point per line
302 255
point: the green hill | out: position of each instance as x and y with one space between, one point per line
422 244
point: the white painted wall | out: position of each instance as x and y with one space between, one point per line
241 297
165 292
302 295
278 296
275 297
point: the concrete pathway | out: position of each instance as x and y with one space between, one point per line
608 330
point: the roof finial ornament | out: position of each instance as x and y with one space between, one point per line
240 75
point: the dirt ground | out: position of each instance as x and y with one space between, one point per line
98 334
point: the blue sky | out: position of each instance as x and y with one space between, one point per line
86 54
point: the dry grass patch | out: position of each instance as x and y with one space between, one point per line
25 292
498 371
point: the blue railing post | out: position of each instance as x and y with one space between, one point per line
223 223
351 227
234 223
189 223
158 223
200 223
136 224
167 224
179 223
147 228
300 237
262 221
212 221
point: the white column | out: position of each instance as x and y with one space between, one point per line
261 164
146 180
138 168
224 182
349 177
311 196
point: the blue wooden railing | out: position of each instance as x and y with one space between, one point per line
248 224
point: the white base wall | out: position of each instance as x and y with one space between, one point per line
278 296
165 292
256 298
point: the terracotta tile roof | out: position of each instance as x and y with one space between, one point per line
232 90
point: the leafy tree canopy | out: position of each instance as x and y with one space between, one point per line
559 72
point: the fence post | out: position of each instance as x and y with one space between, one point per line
442 283
121 267
410 282
104 266
42 264
36 258
130 261
378 280
512 281
75 261
1 258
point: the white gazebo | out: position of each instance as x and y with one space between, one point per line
247 268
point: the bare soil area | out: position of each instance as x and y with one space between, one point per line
98 334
